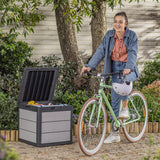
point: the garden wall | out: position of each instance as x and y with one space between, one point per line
143 19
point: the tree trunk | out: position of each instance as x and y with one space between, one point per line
67 37
98 27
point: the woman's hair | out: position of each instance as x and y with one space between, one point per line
123 14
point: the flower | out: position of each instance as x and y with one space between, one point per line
2 154
6 152
3 137
3 35
110 116
75 118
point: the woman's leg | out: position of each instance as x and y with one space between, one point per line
115 102
124 112
125 103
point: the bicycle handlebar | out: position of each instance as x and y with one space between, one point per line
108 74
103 75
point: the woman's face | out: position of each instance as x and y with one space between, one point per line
119 23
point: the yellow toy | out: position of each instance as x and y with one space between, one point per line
33 103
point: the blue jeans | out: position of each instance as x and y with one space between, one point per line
116 98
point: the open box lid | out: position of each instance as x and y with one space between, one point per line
38 84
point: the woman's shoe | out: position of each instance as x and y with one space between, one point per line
124 114
113 137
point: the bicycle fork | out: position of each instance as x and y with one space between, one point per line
98 114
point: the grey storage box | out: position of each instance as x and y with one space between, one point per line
42 125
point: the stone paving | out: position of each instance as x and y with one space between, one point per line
116 151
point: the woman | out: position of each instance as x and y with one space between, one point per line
119 49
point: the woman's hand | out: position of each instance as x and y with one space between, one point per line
84 69
126 71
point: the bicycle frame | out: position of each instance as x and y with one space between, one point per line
102 96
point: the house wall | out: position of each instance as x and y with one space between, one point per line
144 19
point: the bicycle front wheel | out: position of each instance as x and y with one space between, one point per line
90 134
138 112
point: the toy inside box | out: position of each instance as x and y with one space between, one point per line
41 121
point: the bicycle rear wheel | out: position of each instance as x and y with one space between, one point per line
134 131
90 137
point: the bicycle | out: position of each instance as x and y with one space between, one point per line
92 121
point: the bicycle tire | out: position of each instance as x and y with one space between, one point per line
90 138
134 131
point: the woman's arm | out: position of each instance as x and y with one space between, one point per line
132 50
99 54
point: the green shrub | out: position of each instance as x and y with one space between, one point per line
10 85
13 53
68 79
14 56
9 90
150 73
76 99
152 95
66 72
8 112
50 61
6 153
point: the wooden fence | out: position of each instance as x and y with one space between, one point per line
12 135
152 127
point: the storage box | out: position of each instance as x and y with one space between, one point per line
42 125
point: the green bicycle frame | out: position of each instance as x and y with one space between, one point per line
134 120
101 95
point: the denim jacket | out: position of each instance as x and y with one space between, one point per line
106 47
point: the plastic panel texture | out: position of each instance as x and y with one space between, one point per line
42 126
38 84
